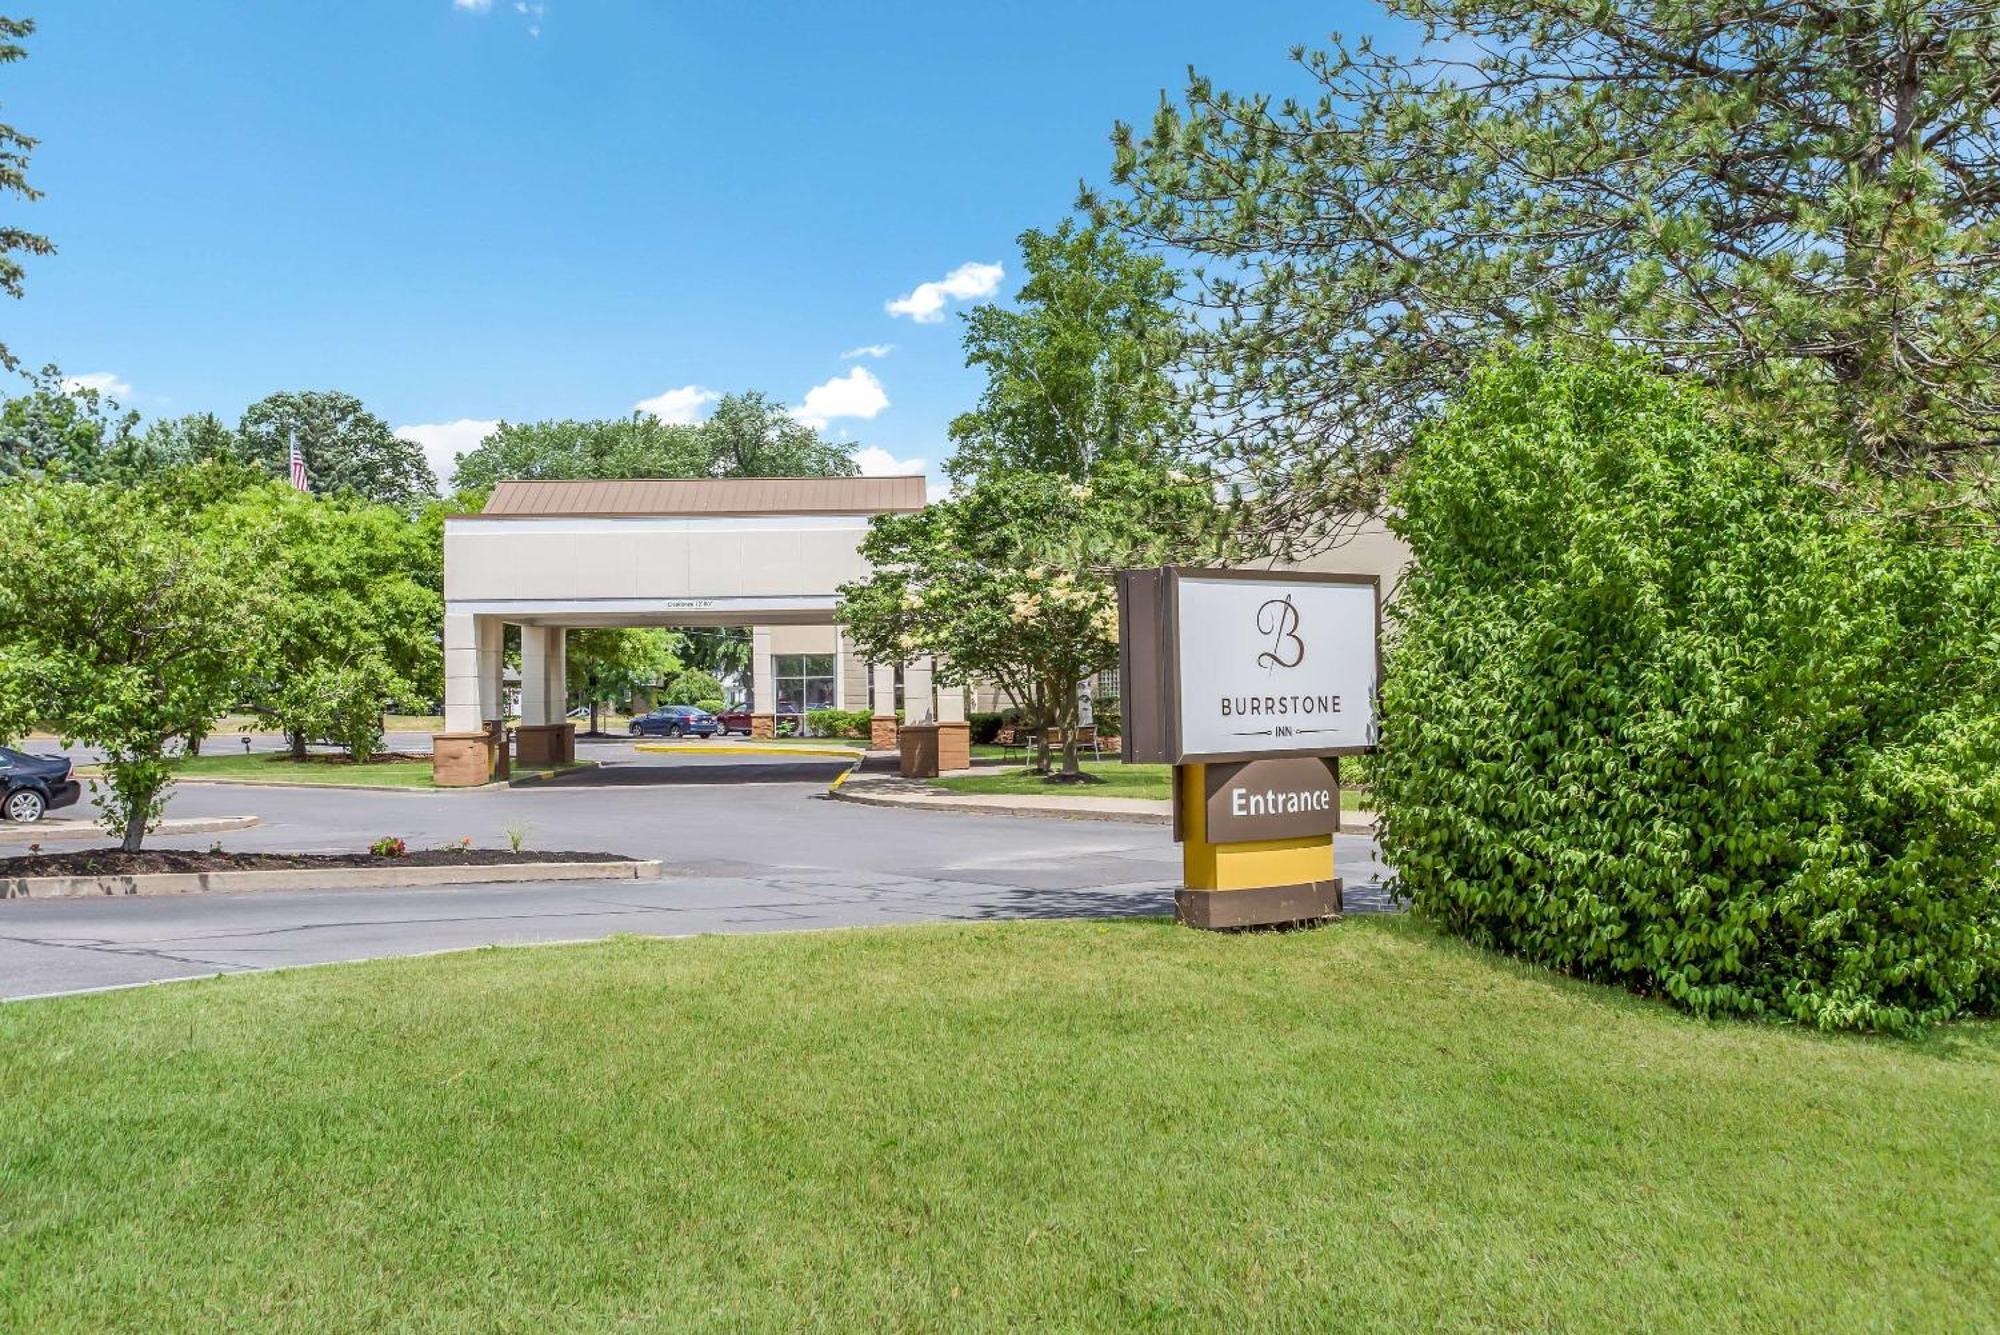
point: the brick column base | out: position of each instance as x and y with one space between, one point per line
461 759
764 725
882 732
954 746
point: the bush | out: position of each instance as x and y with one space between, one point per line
985 727
713 705
1655 715
838 722
689 685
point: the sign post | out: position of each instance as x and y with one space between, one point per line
1251 684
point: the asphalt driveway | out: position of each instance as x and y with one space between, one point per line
750 844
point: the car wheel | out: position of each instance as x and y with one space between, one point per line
635 730
721 728
673 730
25 806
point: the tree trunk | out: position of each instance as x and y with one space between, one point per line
135 834
191 744
593 715
298 741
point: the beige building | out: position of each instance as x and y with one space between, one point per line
766 553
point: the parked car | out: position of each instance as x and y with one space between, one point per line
675 721
737 720
33 785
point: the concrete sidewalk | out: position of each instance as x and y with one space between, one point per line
916 794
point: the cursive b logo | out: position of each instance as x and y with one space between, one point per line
1280 620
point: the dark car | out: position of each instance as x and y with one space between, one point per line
738 721
31 785
676 721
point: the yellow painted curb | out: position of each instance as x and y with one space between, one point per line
702 749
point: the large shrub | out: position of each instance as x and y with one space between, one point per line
1658 716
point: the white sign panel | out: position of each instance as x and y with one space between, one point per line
1274 667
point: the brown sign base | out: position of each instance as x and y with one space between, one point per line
1266 906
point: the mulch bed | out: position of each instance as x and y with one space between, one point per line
114 862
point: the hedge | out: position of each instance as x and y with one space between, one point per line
1656 715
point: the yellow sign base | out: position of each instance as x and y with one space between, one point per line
1264 883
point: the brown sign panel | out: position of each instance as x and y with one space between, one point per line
1284 797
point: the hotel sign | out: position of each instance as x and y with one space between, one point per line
1228 665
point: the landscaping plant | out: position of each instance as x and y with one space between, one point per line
124 631
388 846
1655 714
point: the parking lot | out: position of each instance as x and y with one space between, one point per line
750 843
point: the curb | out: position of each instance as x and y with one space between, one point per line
671 748
36 833
338 787
319 878
860 794
529 778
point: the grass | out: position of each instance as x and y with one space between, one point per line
1119 780
1005 1125
278 767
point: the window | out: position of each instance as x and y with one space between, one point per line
803 681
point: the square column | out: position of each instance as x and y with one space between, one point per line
763 685
466 754
535 674
954 732
472 661
546 736
919 702
882 703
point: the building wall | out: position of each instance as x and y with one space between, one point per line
529 559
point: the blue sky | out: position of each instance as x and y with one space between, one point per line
463 211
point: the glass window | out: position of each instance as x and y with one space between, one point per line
803 681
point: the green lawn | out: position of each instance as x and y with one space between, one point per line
1006 1125
278 767
1119 781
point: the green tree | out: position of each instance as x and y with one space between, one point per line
354 624
124 630
1794 202
347 449
610 664
1076 369
746 436
14 150
720 651
63 428
187 441
1010 581
637 446
691 686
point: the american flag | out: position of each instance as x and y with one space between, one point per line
299 468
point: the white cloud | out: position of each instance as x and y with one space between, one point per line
878 462
679 406
476 6
104 382
443 442
532 11
925 304
877 350
856 394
